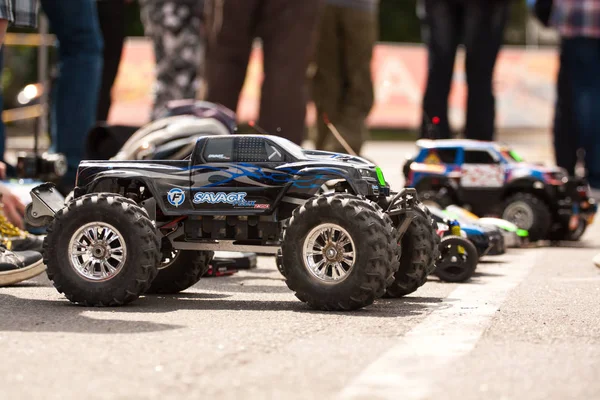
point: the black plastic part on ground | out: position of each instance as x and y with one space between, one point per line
458 259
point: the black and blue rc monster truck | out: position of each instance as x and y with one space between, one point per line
116 238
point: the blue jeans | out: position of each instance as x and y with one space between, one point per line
75 93
581 58
2 128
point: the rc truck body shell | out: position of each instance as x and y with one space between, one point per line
237 175
480 174
491 179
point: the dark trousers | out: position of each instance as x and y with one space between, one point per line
111 16
480 25
75 92
342 86
2 126
582 63
566 140
287 29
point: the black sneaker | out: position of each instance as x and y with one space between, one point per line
26 242
15 239
19 266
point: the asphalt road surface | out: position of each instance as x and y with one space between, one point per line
526 327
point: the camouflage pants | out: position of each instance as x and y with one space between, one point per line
175 27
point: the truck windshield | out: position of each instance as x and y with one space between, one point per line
511 156
293 149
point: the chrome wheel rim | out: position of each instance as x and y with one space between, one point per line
168 259
97 251
329 253
520 214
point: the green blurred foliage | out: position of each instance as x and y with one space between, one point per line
398 21
134 25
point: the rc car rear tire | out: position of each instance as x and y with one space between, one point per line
453 266
563 233
279 262
529 212
577 233
101 250
183 272
330 228
420 251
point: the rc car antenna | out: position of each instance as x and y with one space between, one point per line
338 135
257 128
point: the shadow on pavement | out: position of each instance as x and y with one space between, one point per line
36 315
571 245
27 315
210 294
492 261
391 308
478 274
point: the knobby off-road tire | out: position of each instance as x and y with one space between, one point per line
367 203
563 233
373 240
453 266
102 217
185 270
419 253
529 212
279 262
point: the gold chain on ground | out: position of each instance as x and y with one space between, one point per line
7 229
6 243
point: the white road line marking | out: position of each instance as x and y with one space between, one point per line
408 370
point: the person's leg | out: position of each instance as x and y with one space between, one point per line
10 169
75 24
230 33
288 29
2 127
564 129
327 83
443 21
175 30
359 34
582 60
111 15
3 28
484 32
